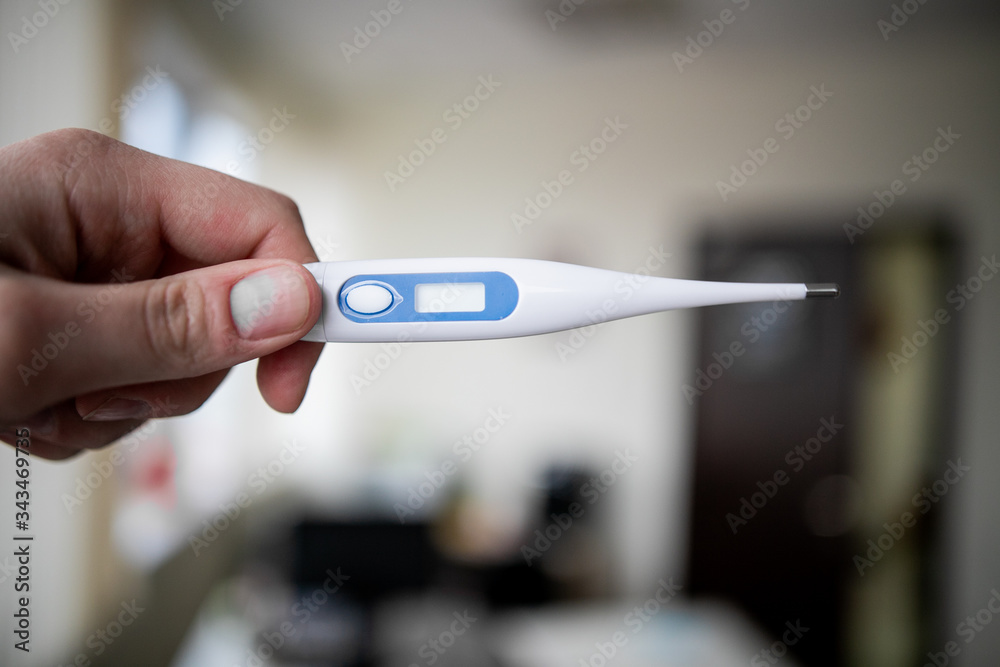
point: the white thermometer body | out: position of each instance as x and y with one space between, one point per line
474 298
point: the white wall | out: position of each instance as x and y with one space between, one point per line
61 77
652 187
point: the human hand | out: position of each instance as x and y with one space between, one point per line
131 283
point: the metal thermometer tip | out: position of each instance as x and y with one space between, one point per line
822 290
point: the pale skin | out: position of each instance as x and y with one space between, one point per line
116 268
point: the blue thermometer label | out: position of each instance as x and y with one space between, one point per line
457 296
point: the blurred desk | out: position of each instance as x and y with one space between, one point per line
418 630
678 635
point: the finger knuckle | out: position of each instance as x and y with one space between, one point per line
176 323
71 145
286 206
71 135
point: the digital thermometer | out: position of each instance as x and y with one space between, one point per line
474 298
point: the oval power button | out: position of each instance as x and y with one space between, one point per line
368 299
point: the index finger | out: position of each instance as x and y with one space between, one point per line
91 206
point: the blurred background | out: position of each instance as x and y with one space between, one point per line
797 483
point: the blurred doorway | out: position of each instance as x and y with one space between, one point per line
816 426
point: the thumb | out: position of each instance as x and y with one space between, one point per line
80 338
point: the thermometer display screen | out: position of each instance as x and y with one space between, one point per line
449 297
